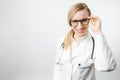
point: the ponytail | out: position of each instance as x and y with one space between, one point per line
67 40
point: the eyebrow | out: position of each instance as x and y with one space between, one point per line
79 20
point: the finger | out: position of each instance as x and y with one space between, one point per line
92 22
92 18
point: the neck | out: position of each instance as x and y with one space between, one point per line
78 37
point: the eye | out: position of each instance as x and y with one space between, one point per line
75 21
84 20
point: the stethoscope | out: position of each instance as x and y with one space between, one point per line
62 47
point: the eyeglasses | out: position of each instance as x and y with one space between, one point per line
75 23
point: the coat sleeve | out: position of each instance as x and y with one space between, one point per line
104 60
57 66
56 73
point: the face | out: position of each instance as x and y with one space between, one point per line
79 22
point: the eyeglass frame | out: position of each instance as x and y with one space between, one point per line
79 21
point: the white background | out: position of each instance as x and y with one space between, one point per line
29 30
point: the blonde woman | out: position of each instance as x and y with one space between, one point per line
79 53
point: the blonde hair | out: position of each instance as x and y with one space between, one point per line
74 9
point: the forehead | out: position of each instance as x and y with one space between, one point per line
80 14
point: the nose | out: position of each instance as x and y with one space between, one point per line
79 25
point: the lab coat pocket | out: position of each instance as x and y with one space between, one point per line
81 72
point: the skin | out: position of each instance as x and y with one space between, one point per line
81 30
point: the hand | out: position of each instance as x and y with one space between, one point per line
95 24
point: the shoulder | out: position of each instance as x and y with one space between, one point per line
60 40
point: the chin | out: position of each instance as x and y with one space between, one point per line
82 33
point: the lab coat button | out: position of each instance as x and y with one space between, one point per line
79 64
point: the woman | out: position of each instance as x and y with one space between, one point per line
79 53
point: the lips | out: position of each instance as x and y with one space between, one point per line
81 30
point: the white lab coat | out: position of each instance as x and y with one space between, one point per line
67 68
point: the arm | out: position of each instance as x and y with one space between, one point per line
104 60
57 67
56 73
